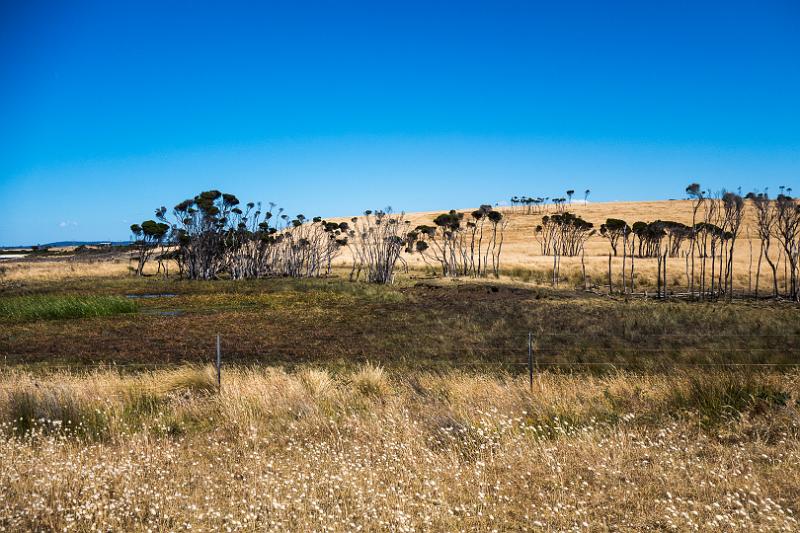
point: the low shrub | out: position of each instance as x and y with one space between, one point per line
23 308
55 408
726 395
371 381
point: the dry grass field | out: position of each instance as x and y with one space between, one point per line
370 450
354 407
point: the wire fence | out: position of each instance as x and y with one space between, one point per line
613 349
540 351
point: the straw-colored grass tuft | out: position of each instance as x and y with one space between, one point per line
371 381
189 379
319 383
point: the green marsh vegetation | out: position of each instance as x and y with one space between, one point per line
55 307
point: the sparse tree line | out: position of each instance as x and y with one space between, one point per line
564 234
778 222
460 247
544 204
706 246
213 235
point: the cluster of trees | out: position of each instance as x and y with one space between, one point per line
645 239
708 244
149 236
778 222
563 234
213 235
378 240
711 240
530 205
539 204
470 247
651 235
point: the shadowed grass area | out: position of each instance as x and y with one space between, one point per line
47 307
430 324
726 395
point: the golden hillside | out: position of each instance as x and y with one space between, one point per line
521 256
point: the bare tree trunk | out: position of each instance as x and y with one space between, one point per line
695 207
480 243
730 271
558 270
500 249
610 286
785 274
713 266
703 271
624 257
555 272
658 276
691 252
583 268
749 268
758 268
774 268
633 287
721 281
686 268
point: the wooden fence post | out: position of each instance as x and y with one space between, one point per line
555 269
624 258
530 360
219 365
583 268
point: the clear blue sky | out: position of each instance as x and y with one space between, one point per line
108 111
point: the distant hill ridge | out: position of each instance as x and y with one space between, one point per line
66 243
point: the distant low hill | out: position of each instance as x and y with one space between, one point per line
61 244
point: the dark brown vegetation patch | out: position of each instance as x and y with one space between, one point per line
429 324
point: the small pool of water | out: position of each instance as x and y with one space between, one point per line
153 295
170 312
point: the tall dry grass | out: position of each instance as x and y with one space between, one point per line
373 451
54 269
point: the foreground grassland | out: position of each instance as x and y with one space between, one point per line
351 407
372 450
